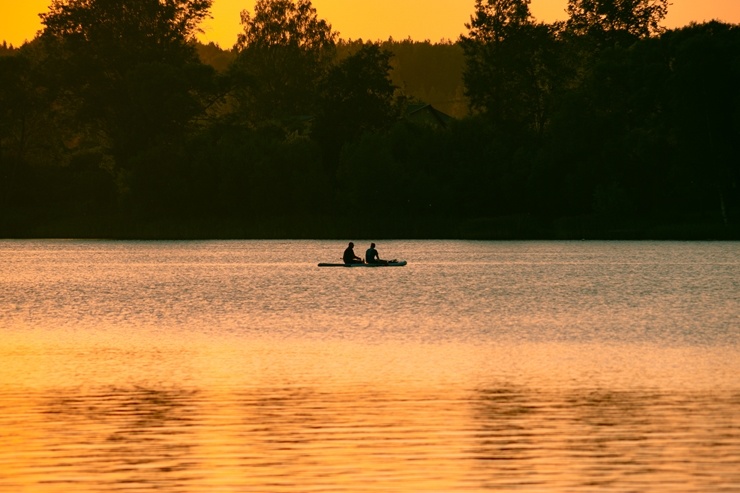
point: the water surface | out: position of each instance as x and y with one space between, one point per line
480 366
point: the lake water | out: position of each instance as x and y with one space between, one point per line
240 366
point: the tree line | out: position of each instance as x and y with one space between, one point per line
115 122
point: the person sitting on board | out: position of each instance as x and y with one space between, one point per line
371 256
349 256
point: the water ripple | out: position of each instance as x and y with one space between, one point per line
228 366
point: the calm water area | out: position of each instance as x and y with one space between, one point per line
241 366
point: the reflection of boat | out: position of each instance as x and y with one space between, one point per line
393 263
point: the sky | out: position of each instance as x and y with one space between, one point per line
432 20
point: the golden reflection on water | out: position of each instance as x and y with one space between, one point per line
149 412
188 367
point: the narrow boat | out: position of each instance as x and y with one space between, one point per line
392 263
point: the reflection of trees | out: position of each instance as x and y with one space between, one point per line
506 441
600 438
502 437
124 437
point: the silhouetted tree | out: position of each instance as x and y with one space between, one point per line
284 52
6 49
17 92
356 96
152 29
704 115
614 18
18 114
602 126
42 174
497 20
509 64
131 64
34 128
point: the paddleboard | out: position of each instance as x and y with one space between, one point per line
397 263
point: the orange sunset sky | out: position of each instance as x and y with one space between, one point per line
369 19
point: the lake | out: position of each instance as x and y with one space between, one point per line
241 366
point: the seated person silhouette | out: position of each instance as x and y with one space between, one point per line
349 256
371 256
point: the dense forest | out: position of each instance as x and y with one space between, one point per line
116 123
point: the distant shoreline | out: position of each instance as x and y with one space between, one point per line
516 227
